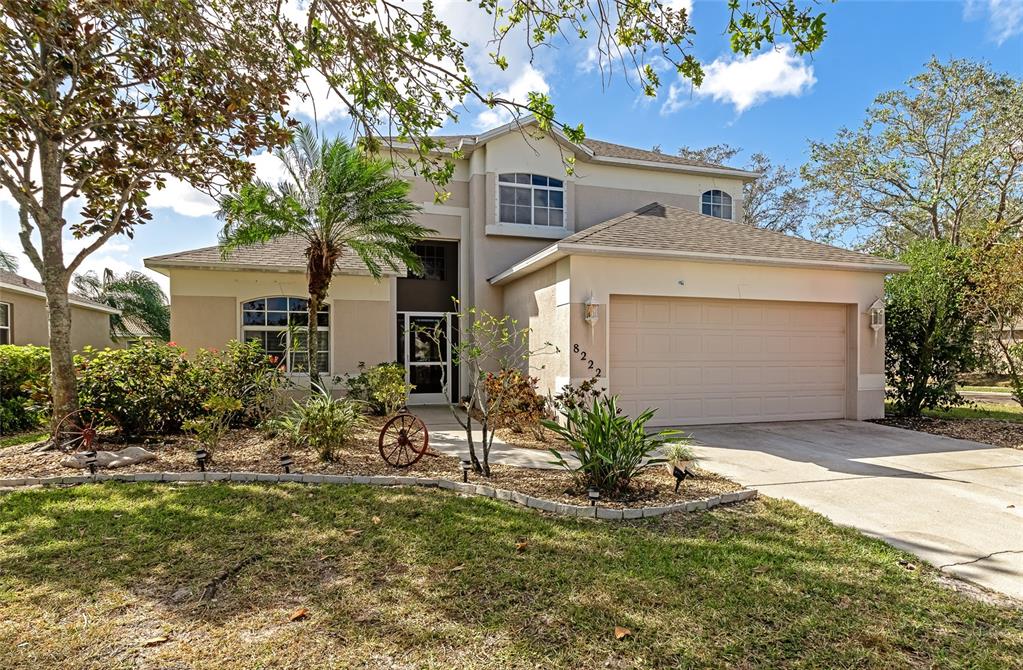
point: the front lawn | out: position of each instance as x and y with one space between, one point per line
114 576
1012 412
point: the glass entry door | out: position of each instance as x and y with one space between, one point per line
424 346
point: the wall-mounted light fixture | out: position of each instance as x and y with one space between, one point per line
876 312
591 311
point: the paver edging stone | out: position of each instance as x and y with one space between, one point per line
564 509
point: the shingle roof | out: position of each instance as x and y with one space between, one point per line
14 281
658 230
603 149
658 227
285 253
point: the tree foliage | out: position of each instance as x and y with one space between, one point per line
997 294
929 326
139 298
930 161
334 200
102 102
774 201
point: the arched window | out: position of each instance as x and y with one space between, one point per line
531 199
267 321
717 203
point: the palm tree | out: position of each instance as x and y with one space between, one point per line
336 200
8 261
141 301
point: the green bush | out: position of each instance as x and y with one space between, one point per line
929 329
210 428
611 447
22 368
153 387
520 408
382 387
322 422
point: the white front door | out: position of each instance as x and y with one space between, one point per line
424 346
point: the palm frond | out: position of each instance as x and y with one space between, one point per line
141 301
8 261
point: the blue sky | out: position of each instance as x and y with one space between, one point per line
773 102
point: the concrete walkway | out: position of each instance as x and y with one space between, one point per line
447 437
954 503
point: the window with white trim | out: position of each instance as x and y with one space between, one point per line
531 199
717 203
5 323
279 325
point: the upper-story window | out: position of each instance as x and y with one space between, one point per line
531 199
432 257
279 325
717 203
5 323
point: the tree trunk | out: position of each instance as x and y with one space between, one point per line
62 369
313 341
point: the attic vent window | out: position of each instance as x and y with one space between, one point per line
531 199
717 204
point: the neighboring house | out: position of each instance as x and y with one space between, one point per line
633 266
24 320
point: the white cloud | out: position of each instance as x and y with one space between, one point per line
747 81
316 101
183 199
530 80
268 167
1005 17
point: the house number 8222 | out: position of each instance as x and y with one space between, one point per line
589 361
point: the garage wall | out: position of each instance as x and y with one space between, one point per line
599 277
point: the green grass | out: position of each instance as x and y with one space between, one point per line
979 411
21 438
986 389
427 579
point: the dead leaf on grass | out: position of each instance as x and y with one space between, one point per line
376 520
622 632
299 614
906 564
353 531
153 641
761 569
457 568
521 545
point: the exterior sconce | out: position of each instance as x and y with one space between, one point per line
591 312
876 312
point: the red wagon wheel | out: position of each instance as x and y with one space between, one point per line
78 430
404 440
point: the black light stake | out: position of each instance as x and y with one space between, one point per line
201 456
90 460
594 496
286 463
465 470
680 474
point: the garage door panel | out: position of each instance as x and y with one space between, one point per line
716 361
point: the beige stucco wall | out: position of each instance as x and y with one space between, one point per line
598 277
206 311
533 302
89 327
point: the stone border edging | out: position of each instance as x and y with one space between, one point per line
483 490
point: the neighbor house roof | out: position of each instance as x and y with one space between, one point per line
10 281
285 254
667 232
594 150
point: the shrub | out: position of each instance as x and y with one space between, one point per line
22 368
679 450
382 387
611 447
243 372
577 397
929 330
522 408
322 422
146 387
210 428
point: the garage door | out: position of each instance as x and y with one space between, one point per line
728 361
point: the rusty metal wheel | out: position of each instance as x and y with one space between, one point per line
404 440
79 430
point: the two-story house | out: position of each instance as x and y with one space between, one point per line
634 266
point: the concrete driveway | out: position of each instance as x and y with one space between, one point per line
954 503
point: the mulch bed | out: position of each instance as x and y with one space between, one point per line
247 450
989 431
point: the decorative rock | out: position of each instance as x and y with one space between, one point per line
243 476
149 476
503 494
267 477
382 481
110 459
361 479
520 498
487 491
427 482
216 476
541 504
8 483
186 477
291 477
649 512
312 479
338 479
631 513
713 501
446 484
405 481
